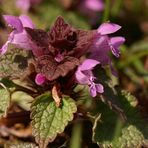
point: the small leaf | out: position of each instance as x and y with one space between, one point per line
110 131
4 100
49 120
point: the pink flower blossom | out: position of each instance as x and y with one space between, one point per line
25 5
84 76
103 44
40 79
18 36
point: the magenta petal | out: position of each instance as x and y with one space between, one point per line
26 21
99 88
22 40
95 5
92 90
115 51
23 4
117 41
101 50
40 79
4 48
14 22
88 64
108 28
81 78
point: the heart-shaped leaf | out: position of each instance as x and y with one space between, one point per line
48 120
110 131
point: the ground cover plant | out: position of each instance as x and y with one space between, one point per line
73 74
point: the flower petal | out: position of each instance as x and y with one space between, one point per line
108 28
99 88
22 40
95 5
26 21
23 4
4 48
81 78
40 79
14 22
117 41
115 51
88 64
92 91
101 50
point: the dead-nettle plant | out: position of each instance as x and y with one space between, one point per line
57 68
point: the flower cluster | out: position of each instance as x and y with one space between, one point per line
63 50
93 5
25 5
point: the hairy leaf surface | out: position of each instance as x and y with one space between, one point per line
49 120
110 131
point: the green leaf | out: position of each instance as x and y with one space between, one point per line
109 96
21 145
139 46
4 100
49 120
131 136
110 131
22 99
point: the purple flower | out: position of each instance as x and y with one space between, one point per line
103 44
94 5
85 76
18 36
25 5
115 42
40 79
62 47
89 8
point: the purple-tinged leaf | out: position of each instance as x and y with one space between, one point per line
38 36
51 69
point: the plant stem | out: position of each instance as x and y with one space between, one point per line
106 11
116 7
136 6
118 127
76 136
